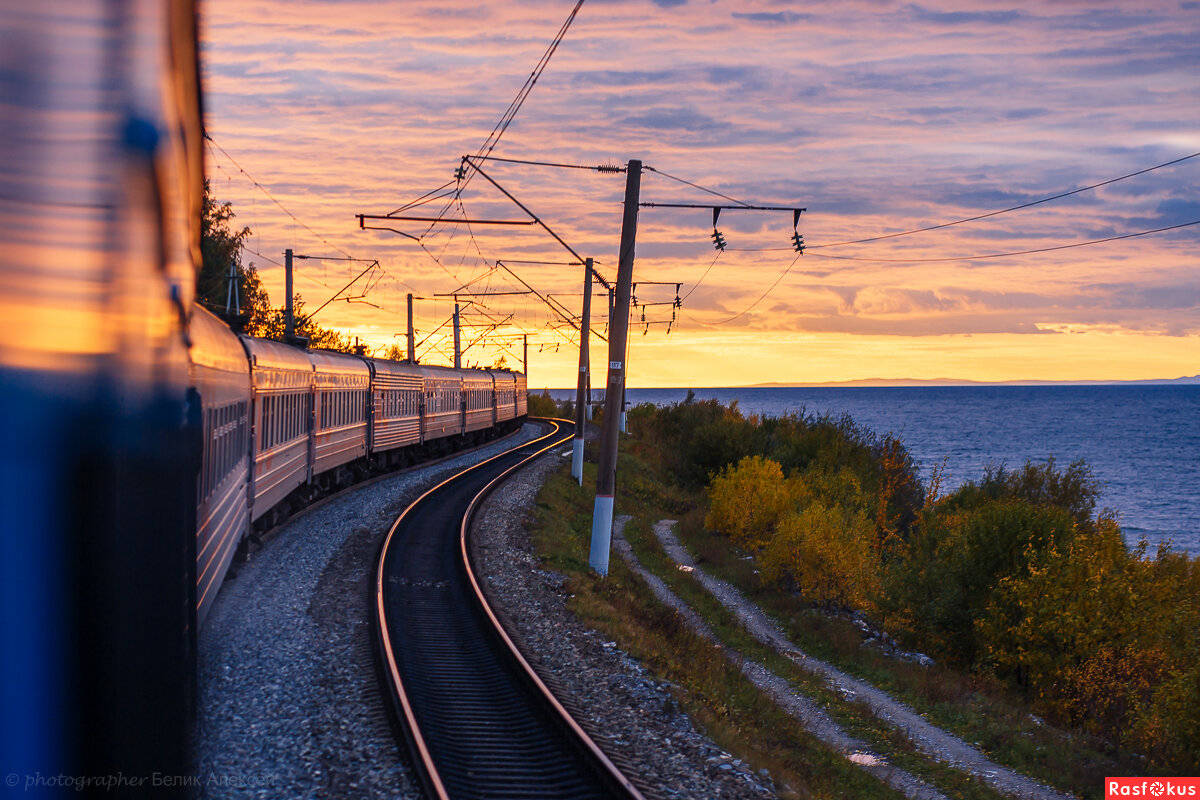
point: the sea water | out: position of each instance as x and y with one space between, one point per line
1142 442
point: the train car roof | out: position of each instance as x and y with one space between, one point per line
268 354
330 362
436 371
214 345
387 366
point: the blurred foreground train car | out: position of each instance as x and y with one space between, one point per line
281 423
101 184
141 441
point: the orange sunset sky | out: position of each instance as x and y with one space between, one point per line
876 116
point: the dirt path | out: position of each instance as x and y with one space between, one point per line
927 737
809 714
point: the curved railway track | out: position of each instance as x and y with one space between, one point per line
478 721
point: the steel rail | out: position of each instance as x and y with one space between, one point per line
614 775
453 784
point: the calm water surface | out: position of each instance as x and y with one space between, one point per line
1142 442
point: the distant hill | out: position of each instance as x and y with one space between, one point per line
1193 380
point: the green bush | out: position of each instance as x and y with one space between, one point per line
543 405
942 580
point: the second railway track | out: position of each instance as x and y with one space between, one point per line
478 721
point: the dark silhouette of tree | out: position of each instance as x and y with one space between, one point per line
221 245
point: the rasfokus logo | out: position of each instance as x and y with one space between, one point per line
1151 787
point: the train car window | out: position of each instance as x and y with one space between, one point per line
264 413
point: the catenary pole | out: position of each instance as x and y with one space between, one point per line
618 335
412 334
581 391
289 319
457 341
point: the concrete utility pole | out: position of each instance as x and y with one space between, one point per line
525 361
412 336
457 341
581 393
289 319
618 335
232 294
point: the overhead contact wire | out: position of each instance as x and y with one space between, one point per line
1010 209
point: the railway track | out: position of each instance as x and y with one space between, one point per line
477 719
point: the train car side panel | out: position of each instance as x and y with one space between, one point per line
396 389
442 412
220 373
506 396
477 388
522 393
282 416
340 418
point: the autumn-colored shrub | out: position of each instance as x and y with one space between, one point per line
812 530
827 553
747 501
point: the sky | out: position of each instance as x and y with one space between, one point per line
877 117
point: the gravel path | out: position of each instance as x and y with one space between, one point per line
927 737
809 714
629 714
289 703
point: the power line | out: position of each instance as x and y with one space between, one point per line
597 168
264 190
696 186
750 307
1007 210
696 285
1013 253
510 113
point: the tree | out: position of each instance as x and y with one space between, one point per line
221 246
275 325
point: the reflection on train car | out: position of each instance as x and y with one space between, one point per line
220 375
341 384
442 414
282 414
479 409
395 411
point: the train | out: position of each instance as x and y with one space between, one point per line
279 423
141 440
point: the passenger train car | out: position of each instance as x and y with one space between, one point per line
281 423
141 441
101 189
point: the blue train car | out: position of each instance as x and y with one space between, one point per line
100 195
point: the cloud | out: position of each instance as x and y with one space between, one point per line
878 116
774 18
956 18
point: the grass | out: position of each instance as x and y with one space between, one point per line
709 688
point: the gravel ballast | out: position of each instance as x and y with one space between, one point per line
289 702
630 715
